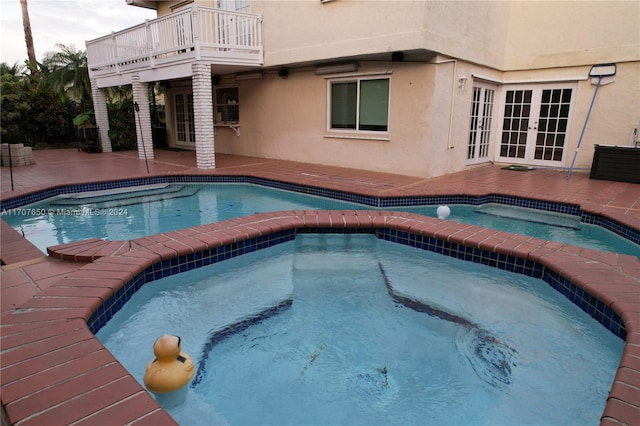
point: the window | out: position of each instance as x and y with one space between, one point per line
227 109
360 105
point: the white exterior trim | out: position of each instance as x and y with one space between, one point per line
531 80
356 133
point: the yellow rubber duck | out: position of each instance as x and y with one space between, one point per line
171 369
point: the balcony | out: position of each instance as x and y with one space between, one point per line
199 33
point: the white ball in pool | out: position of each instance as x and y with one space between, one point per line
443 212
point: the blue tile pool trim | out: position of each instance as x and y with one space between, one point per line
588 303
178 265
622 230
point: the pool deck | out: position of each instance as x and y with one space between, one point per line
54 371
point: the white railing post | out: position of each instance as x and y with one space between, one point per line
149 43
218 28
195 29
258 34
233 30
115 51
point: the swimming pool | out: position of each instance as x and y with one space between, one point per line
328 373
131 212
560 260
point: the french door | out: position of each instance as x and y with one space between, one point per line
481 122
535 124
185 129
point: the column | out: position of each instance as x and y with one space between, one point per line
203 115
144 135
102 115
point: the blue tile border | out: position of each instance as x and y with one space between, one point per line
622 230
588 303
176 265
463 252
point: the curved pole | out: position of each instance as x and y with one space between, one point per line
584 127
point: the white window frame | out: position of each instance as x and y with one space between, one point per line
484 86
189 131
357 79
218 107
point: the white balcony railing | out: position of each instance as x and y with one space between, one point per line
197 33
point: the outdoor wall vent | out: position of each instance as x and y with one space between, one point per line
336 68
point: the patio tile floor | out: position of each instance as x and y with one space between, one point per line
36 342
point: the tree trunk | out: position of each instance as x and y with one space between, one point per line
31 52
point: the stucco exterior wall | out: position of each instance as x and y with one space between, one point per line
516 35
308 30
428 135
526 43
506 35
616 111
428 120
568 33
287 119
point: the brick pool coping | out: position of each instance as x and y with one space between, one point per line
54 369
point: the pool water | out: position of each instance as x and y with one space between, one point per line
557 227
153 209
483 346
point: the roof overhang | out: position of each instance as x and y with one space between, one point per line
143 3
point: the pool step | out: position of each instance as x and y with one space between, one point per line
110 199
116 191
530 215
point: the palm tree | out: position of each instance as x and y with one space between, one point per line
31 51
67 72
11 70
